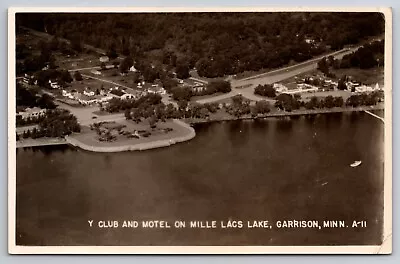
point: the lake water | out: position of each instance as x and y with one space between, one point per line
272 169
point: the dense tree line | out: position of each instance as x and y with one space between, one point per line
118 105
365 99
185 93
367 56
215 87
215 43
56 123
287 102
326 102
29 62
30 98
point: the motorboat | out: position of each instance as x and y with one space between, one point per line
355 163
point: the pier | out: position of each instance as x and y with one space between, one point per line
374 115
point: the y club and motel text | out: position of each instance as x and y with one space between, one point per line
284 224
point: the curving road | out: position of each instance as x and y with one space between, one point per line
274 76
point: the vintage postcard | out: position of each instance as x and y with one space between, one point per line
200 130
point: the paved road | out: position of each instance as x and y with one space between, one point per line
87 68
272 77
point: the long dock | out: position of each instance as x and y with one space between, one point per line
374 115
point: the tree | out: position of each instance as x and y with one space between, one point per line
78 76
111 51
286 102
323 65
46 102
342 83
65 76
181 93
152 121
103 66
265 90
182 68
329 101
218 87
237 99
182 105
126 64
128 114
338 101
262 107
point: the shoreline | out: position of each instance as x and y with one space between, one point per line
192 121
138 146
26 143
187 123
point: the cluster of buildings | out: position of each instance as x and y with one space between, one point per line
33 112
301 88
89 96
194 84
365 88
311 84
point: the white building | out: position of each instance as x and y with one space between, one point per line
127 96
54 84
364 88
32 113
280 88
104 59
88 92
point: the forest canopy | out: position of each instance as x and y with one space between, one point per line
216 44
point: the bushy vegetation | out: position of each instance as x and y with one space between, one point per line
368 56
327 102
365 99
30 98
265 90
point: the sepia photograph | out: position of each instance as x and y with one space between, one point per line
201 131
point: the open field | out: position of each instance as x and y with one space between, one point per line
82 60
113 75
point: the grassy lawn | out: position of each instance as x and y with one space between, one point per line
89 137
102 113
344 94
200 97
367 76
82 60
113 75
91 83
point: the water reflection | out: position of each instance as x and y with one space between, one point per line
232 169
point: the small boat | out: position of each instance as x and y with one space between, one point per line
355 163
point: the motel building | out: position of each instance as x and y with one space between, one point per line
32 113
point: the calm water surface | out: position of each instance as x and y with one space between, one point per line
270 169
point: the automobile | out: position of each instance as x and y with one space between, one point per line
94 117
